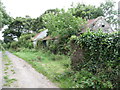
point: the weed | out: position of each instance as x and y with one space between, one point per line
9 82
8 66
13 71
46 63
59 71
6 77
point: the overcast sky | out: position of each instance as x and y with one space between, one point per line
35 8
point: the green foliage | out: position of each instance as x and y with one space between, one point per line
37 24
6 46
7 69
24 41
14 45
100 68
82 79
54 11
17 27
109 12
63 24
4 17
86 11
57 69
101 56
1 45
41 30
55 46
45 62
60 46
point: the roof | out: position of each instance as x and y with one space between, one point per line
92 22
43 36
50 38
40 35
47 38
36 35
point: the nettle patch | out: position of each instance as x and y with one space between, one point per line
98 53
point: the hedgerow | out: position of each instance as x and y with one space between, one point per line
100 55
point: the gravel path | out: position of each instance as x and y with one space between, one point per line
25 75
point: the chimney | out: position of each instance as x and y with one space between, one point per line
119 15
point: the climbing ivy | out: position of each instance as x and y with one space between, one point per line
101 54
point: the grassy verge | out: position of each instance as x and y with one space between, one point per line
46 63
57 69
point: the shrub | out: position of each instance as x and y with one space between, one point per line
82 79
23 42
99 54
62 25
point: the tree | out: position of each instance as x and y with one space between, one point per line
4 17
54 11
62 25
24 41
109 13
16 28
38 23
86 11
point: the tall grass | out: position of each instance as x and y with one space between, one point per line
57 69
46 63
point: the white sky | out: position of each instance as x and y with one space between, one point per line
35 8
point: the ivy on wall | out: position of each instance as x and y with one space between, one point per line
101 55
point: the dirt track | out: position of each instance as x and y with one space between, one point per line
25 76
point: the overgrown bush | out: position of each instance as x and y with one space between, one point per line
59 46
23 42
100 55
82 79
62 25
